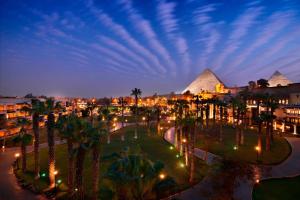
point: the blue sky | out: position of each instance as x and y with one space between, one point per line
106 48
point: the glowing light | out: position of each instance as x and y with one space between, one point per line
43 174
17 155
177 155
161 128
76 189
171 147
126 120
3 147
115 119
257 148
55 172
144 118
103 119
257 181
184 140
169 121
162 176
235 148
181 165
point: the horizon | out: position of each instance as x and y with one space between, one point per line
103 49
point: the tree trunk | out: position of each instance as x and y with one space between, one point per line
180 141
192 152
207 115
36 131
96 160
214 113
51 150
70 166
23 152
268 142
79 172
259 142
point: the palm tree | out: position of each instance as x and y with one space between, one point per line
67 127
135 177
181 106
158 116
94 135
81 150
136 93
37 108
222 105
122 102
262 83
197 101
91 106
24 139
50 108
107 116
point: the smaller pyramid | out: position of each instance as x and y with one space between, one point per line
278 79
206 81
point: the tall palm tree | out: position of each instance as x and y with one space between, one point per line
158 116
94 135
136 93
107 116
81 150
36 109
67 127
24 139
122 102
197 101
91 106
50 108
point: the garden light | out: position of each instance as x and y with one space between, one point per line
55 172
171 147
17 155
162 176
235 148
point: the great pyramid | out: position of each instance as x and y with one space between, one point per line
206 81
278 79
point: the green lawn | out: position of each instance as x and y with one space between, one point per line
152 146
277 189
43 137
246 152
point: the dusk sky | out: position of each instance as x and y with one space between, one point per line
107 47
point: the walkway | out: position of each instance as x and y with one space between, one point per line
289 168
198 191
9 187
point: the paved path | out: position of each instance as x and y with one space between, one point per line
201 190
9 188
289 168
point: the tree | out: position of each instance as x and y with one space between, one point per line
157 112
67 127
24 139
94 135
262 83
50 108
37 108
91 106
122 102
136 93
81 150
135 177
107 116
251 85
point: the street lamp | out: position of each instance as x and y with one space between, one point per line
17 155
162 176
257 149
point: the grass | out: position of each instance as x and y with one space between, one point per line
280 149
277 189
152 146
43 137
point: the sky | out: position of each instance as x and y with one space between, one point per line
98 48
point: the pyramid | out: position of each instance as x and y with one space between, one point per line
206 81
278 79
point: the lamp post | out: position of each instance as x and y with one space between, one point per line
17 155
257 149
55 173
